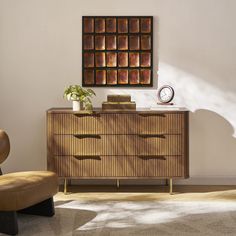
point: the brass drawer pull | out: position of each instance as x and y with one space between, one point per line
81 136
151 114
152 135
146 157
84 157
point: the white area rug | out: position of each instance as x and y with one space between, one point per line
103 218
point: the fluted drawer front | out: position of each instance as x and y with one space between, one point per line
96 124
118 145
118 166
100 145
160 145
159 166
118 123
70 124
169 123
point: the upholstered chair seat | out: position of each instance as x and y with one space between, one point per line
29 192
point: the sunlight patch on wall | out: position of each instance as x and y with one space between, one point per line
195 93
191 92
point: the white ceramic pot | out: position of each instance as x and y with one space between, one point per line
76 105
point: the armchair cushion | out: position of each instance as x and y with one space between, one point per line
20 190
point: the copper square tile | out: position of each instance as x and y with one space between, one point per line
123 77
133 59
88 59
88 42
134 76
134 42
123 42
100 42
100 77
100 59
111 42
122 59
146 25
111 76
123 25
111 59
88 25
134 25
145 59
89 76
145 42
110 25
145 76
99 25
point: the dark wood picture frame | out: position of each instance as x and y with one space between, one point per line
117 51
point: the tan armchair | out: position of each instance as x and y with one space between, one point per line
29 192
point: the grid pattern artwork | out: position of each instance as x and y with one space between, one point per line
117 51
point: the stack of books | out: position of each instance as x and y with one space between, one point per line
119 102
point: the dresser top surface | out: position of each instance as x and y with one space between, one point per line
101 111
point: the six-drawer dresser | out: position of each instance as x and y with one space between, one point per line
139 144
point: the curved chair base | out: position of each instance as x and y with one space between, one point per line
8 219
8 222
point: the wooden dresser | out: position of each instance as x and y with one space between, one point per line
141 144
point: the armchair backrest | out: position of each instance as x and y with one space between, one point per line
4 146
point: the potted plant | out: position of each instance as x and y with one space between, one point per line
79 96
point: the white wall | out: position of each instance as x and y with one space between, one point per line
194 50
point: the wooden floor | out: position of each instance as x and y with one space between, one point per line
148 193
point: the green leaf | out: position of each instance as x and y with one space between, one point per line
76 92
91 92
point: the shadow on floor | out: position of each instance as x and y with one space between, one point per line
64 222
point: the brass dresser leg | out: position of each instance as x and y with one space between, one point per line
117 183
171 186
65 186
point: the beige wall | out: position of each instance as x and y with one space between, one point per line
194 49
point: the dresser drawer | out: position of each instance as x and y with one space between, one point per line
96 124
119 166
117 144
96 145
159 166
72 124
155 144
161 123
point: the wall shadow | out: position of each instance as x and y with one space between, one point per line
212 147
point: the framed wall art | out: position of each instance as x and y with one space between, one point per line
117 51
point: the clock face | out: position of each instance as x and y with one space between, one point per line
166 94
